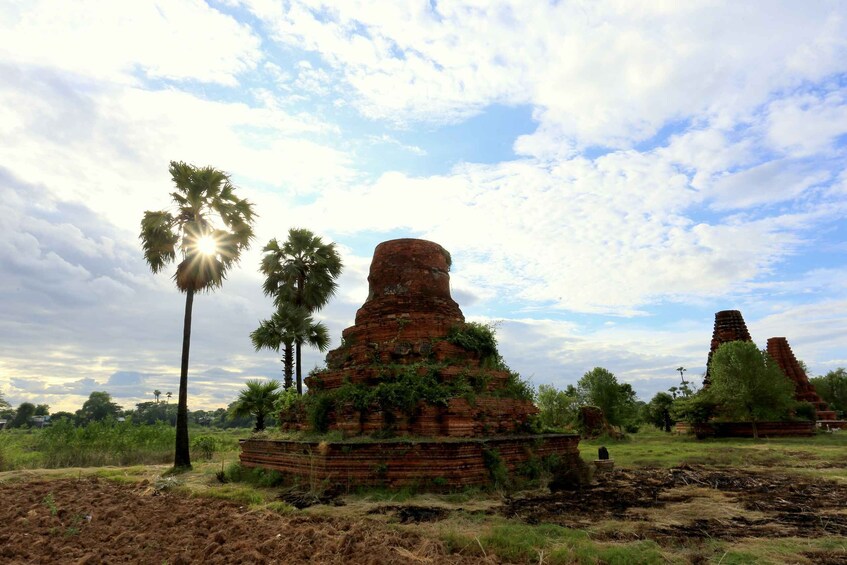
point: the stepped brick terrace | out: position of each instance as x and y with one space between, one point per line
405 339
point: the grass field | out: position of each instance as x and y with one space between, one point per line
694 523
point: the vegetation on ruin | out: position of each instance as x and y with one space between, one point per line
479 338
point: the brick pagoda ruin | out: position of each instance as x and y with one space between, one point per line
804 391
730 326
404 337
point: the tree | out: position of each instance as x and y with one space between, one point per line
210 230
658 411
556 409
600 388
156 394
168 396
300 272
257 399
681 373
288 326
832 387
42 410
99 406
24 413
6 411
748 384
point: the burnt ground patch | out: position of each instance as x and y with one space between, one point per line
692 502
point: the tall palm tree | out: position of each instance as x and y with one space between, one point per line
209 229
300 272
288 326
156 394
257 399
168 396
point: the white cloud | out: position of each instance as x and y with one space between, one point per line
602 73
176 39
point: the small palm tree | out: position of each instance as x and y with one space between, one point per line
258 400
300 272
288 326
168 395
210 229
156 394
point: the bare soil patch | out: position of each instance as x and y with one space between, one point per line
688 502
91 521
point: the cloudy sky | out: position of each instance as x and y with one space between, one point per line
606 175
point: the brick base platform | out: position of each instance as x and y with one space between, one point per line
406 462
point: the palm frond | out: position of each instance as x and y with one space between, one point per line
158 239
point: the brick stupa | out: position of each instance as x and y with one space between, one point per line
729 326
402 334
804 391
405 321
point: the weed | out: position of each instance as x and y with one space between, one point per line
51 504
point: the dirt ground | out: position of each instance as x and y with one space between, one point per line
92 520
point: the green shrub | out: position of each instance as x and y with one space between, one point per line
805 411
496 468
204 447
476 337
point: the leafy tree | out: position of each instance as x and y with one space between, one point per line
832 387
153 412
290 325
257 399
6 410
599 387
156 394
23 415
99 406
301 272
658 411
210 230
62 416
42 410
556 409
748 384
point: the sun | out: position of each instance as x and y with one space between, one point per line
206 245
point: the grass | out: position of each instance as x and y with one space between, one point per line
821 455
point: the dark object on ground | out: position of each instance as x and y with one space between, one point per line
602 453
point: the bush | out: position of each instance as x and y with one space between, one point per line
805 411
204 447
476 337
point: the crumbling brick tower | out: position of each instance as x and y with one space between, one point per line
402 333
779 349
729 326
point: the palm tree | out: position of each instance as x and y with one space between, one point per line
156 394
288 326
168 395
257 399
209 229
301 272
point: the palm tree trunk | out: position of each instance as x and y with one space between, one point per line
288 365
297 368
260 422
182 458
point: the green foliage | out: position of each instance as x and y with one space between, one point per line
496 468
747 384
204 447
23 414
98 407
258 398
476 337
696 409
556 409
256 476
805 411
600 388
516 387
832 387
318 408
104 443
658 411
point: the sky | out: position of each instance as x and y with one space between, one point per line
606 175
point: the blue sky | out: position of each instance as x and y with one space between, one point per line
606 176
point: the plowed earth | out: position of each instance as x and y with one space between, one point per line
92 521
